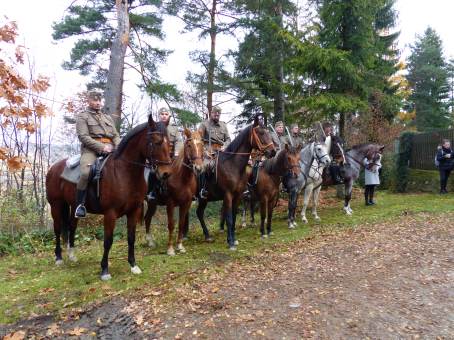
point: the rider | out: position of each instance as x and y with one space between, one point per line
334 168
175 141
278 136
295 139
98 137
216 137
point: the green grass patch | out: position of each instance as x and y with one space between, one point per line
32 284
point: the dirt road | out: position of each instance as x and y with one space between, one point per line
392 280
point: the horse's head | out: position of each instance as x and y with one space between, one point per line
158 148
293 160
337 150
374 155
261 139
193 149
320 153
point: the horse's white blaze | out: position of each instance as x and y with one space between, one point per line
136 270
106 277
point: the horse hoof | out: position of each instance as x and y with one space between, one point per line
151 244
232 248
304 219
59 262
185 238
264 236
295 224
236 242
209 240
181 248
317 218
270 233
136 270
243 225
106 277
171 252
72 258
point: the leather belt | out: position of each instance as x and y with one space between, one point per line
104 140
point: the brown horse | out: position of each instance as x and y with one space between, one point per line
266 190
122 189
229 179
181 188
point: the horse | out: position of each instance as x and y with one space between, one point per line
266 189
181 188
229 179
314 157
122 189
352 166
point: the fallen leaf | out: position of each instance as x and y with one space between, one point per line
78 331
20 335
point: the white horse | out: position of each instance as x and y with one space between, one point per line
313 159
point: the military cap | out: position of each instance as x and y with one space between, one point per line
294 125
163 109
94 95
216 109
279 123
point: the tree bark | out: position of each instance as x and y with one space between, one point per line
114 88
278 93
212 63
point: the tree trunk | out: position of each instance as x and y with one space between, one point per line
278 93
114 86
212 64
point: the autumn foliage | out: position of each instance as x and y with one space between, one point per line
21 109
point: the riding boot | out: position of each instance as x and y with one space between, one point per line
202 185
366 195
81 211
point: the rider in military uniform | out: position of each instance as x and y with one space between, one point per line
216 137
175 141
295 137
98 136
278 136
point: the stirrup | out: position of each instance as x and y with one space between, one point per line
202 194
81 211
151 196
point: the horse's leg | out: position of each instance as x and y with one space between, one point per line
293 197
263 204
229 220
183 213
271 205
72 235
222 219
244 206
151 210
186 227
348 197
132 219
109 226
170 227
315 195
307 197
57 211
235 205
252 210
200 215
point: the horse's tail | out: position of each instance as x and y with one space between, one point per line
65 221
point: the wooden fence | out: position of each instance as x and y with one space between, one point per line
424 148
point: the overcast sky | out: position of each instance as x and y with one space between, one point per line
35 18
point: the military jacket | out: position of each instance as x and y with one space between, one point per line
296 139
278 140
91 125
216 133
175 140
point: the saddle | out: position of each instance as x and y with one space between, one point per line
71 172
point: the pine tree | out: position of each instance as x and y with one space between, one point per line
428 78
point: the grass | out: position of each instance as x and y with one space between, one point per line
31 283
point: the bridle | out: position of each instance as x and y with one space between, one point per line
261 147
192 159
151 162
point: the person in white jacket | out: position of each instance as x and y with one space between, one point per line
371 178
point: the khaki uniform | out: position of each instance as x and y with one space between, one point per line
94 129
214 133
279 141
175 140
297 140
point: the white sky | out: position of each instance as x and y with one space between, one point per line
35 18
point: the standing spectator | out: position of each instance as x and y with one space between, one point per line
445 160
371 178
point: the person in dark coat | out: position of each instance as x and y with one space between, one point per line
446 162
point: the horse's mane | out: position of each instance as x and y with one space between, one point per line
235 144
358 147
269 165
160 127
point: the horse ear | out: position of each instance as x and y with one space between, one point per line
256 121
381 148
151 122
286 147
187 132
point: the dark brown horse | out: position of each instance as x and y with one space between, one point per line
229 178
122 189
181 188
266 190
